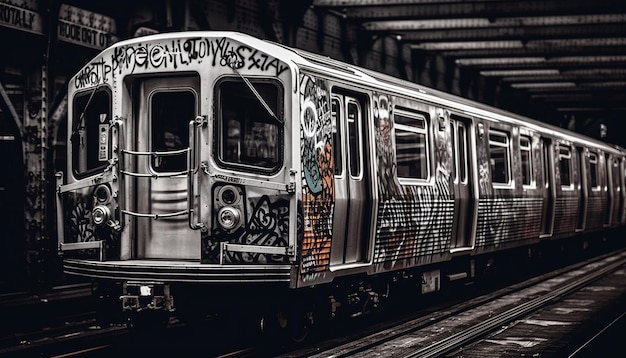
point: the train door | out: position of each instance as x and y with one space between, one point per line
548 188
617 192
351 219
465 188
165 108
584 190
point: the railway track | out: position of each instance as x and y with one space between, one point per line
447 331
78 335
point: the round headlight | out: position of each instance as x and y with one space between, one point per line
228 217
100 215
229 195
103 194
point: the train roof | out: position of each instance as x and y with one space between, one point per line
305 60
383 81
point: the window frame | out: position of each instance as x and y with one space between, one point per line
337 134
354 124
219 141
510 183
424 118
74 130
528 149
151 144
595 163
567 156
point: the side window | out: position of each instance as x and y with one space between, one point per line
337 116
500 158
249 137
527 164
411 145
593 171
90 122
565 166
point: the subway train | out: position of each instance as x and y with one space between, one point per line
213 171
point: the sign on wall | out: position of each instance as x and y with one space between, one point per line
21 15
86 28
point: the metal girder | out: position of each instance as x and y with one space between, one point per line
507 33
581 62
395 10
9 104
539 45
490 23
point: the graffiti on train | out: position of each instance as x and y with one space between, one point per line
413 220
177 54
267 225
317 175
80 228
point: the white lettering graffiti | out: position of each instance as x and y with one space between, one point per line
176 54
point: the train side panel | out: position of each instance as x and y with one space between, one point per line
509 213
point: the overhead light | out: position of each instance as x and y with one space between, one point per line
468 23
468 45
605 84
439 24
544 85
505 73
562 97
595 72
499 61
589 109
587 59
585 42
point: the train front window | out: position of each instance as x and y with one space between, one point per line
90 140
249 136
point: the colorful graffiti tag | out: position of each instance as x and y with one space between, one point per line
317 175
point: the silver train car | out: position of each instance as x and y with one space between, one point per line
220 169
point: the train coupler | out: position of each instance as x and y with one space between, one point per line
139 296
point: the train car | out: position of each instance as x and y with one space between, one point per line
223 170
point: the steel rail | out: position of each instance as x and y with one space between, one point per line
411 325
462 338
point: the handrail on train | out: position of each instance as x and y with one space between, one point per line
190 172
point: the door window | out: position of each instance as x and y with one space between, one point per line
354 134
171 112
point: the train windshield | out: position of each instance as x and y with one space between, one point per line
250 136
90 134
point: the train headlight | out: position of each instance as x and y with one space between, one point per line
102 194
228 217
100 215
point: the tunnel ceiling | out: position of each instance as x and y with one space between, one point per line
569 55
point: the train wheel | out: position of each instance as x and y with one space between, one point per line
299 325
